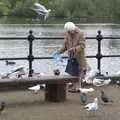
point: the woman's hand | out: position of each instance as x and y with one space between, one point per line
73 49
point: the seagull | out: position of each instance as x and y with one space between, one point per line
41 10
4 75
18 68
85 90
92 106
101 82
35 88
90 76
17 72
105 99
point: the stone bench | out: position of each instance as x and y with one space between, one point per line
55 85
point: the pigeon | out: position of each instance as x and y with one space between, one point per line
56 72
92 106
41 10
83 98
2 106
105 99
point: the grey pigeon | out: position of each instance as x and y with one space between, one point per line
83 98
2 106
105 99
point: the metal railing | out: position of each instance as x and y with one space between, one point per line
31 57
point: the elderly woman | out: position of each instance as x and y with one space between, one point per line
75 45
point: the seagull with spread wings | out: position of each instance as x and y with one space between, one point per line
42 10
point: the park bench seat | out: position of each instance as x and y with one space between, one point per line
55 85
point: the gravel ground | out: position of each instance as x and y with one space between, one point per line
25 105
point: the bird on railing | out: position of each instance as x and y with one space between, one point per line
10 62
41 10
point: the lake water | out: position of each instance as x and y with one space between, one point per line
19 48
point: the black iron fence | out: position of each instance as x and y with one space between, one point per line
31 57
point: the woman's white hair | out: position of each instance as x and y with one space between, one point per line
69 26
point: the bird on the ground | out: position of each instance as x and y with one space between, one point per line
105 99
42 10
35 88
2 106
85 90
90 75
10 62
83 98
101 82
92 106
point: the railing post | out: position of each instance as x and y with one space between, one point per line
30 56
99 37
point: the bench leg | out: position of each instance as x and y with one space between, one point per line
55 92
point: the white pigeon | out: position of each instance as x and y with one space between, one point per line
41 10
85 90
101 82
35 88
92 106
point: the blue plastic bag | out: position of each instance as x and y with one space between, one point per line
57 58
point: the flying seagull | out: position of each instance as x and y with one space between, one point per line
105 99
42 10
